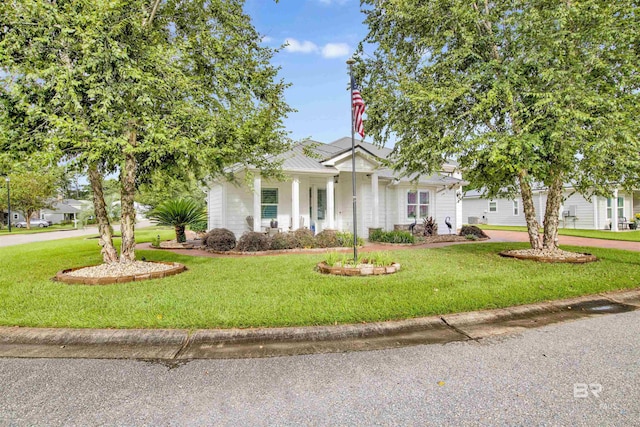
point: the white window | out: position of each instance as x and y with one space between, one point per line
269 203
417 204
493 206
322 203
620 207
516 208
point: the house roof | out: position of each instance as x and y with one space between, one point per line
311 156
61 207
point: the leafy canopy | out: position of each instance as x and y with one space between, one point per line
535 91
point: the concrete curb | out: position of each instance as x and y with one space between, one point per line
183 345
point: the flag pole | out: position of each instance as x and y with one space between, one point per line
351 61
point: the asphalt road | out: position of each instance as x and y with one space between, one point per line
18 239
579 373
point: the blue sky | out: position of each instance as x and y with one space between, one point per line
321 35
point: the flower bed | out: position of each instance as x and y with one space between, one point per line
93 275
362 269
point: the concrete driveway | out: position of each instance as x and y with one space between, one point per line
519 236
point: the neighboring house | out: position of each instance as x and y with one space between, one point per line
317 193
63 210
599 213
15 216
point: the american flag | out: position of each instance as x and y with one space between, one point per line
358 107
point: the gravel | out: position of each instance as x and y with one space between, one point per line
546 253
120 269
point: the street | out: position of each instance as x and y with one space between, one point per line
584 372
18 239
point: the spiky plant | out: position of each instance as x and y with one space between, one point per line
178 213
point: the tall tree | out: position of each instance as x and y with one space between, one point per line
522 93
143 85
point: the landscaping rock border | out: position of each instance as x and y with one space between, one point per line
64 277
363 270
578 258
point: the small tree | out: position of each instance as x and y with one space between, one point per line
31 191
178 213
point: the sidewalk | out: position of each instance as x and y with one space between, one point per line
176 346
521 236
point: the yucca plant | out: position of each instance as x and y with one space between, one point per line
178 213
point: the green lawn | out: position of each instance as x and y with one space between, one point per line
15 230
285 290
628 236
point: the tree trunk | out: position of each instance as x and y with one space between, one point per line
128 213
180 235
529 211
109 253
551 214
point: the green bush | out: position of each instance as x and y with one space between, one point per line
253 241
220 239
345 239
304 238
281 241
327 239
198 227
396 236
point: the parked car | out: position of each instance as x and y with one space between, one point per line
34 223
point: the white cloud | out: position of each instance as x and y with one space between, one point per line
266 39
293 45
335 50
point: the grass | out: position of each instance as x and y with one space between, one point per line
285 290
4 231
627 236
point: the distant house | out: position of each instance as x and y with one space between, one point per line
599 213
63 210
317 193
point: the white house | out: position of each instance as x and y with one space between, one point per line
599 213
63 210
317 193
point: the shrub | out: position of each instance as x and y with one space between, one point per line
327 239
283 241
345 239
471 237
304 238
253 241
397 236
220 239
378 259
472 230
198 227
178 213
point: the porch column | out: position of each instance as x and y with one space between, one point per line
594 201
614 211
314 206
376 201
330 207
257 202
295 203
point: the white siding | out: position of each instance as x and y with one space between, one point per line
215 206
445 202
239 205
583 212
586 213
